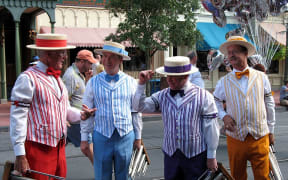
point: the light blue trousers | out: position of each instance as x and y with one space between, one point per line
117 150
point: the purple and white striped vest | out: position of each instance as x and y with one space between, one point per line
182 125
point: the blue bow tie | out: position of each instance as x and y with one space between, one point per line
174 92
109 78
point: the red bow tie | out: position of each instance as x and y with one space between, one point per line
53 72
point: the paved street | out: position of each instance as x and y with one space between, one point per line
79 168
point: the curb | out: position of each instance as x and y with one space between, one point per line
4 129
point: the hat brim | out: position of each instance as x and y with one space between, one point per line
125 58
160 70
251 49
33 46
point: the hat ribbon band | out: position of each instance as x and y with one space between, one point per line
115 49
236 39
177 69
51 43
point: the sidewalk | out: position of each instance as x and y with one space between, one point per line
5 111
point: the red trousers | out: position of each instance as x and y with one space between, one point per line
46 159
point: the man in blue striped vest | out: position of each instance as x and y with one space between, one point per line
249 118
189 113
115 126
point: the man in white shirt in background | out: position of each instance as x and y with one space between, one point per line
75 82
196 77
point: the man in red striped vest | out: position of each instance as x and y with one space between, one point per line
40 109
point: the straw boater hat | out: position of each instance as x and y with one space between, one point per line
238 40
115 48
50 42
176 66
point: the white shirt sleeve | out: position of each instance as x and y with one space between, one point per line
21 92
137 124
142 103
73 114
87 126
210 125
269 104
219 96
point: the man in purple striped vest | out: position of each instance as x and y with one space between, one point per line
39 111
189 113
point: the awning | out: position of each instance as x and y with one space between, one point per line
83 37
214 35
277 31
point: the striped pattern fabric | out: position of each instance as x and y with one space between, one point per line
114 104
248 110
48 112
181 132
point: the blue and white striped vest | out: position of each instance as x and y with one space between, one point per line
114 104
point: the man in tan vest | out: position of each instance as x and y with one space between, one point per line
249 119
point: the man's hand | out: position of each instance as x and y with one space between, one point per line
229 123
21 164
271 139
145 76
137 143
212 164
88 75
86 112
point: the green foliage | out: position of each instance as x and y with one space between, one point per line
280 54
153 25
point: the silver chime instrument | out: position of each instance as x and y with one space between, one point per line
139 162
220 174
275 172
10 174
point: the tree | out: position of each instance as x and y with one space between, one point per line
153 25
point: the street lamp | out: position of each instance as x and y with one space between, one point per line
284 10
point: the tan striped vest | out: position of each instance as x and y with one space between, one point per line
248 110
48 112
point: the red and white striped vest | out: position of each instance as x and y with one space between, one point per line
48 113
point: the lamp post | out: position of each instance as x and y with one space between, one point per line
286 54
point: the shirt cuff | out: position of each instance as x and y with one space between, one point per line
84 136
137 135
222 114
19 149
141 87
211 154
271 130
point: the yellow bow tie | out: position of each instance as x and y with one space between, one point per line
240 74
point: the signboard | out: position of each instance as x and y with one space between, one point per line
82 2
